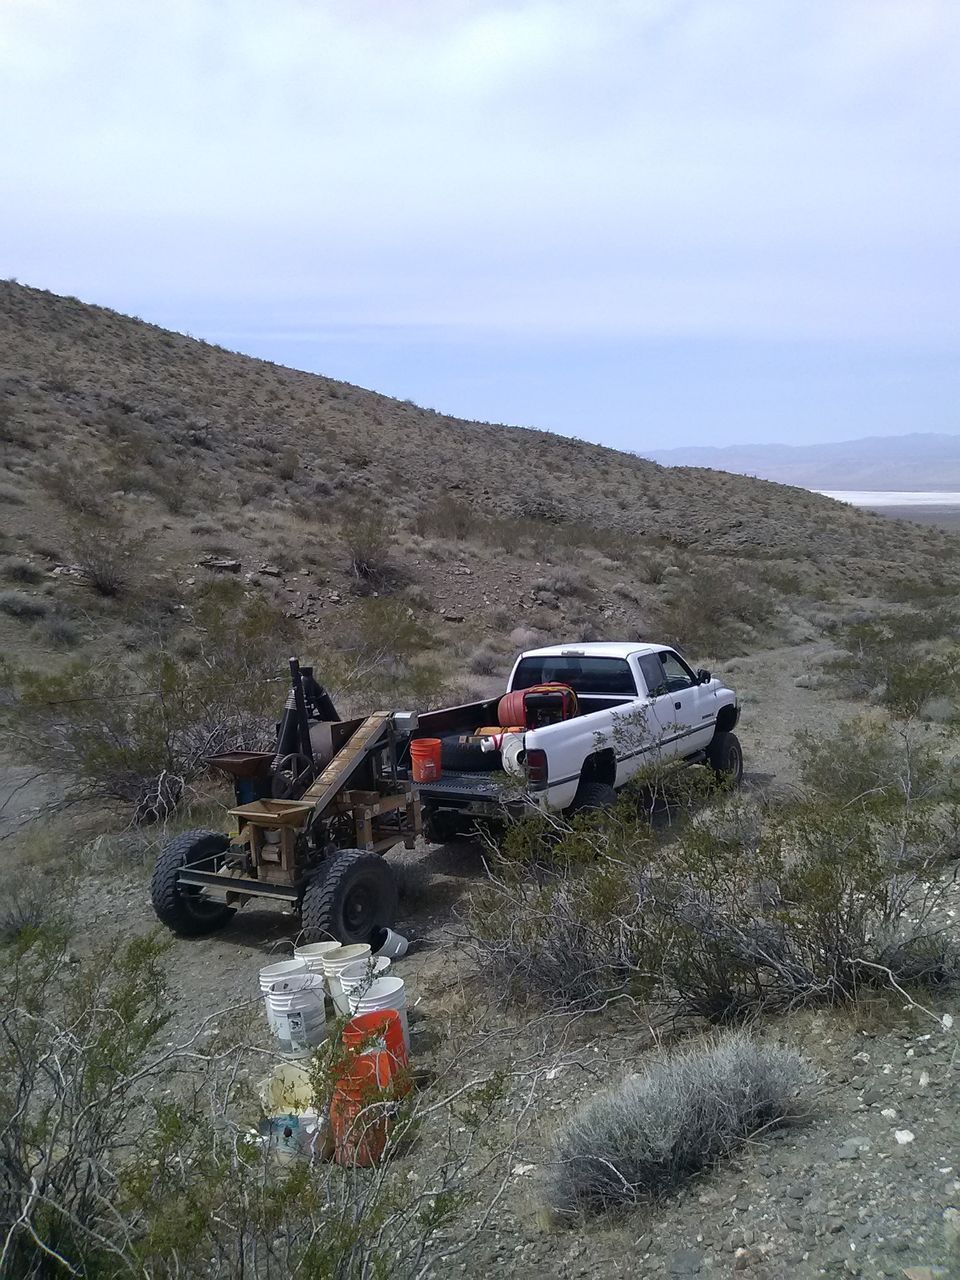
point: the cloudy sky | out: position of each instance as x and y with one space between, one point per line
647 222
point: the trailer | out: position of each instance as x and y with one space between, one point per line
310 826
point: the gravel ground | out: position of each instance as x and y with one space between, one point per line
871 1187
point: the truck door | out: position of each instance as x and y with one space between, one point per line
676 704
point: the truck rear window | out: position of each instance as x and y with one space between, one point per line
583 675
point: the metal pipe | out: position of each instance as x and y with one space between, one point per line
302 719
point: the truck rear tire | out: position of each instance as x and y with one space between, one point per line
353 896
183 908
725 758
593 797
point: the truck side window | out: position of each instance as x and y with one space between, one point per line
676 673
651 669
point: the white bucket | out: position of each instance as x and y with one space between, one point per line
299 1019
312 954
361 974
386 993
387 943
273 973
333 962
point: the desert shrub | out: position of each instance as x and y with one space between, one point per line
379 653
107 556
78 488
565 582
16 569
449 518
17 604
367 543
59 632
707 607
127 1152
485 660
643 1136
892 659
288 463
29 911
740 906
138 734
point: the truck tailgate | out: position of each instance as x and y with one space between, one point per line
463 787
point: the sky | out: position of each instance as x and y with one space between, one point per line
650 223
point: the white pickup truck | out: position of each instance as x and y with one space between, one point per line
635 705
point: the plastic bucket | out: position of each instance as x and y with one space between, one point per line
359 976
299 1018
387 943
275 972
377 1033
312 954
387 993
333 962
360 1115
425 760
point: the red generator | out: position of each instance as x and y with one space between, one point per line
537 706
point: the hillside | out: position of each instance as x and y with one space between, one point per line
158 451
921 460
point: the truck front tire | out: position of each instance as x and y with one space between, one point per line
725 758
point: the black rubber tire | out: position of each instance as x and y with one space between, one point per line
186 911
593 797
353 895
725 758
463 753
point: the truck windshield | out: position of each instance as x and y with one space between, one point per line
584 675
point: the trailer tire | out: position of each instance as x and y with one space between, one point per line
725 758
464 753
353 896
593 797
185 910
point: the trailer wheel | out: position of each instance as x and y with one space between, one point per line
725 758
356 894
593 797
183 908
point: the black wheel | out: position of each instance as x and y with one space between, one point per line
725 758
354 895
592 797
463 753
184 908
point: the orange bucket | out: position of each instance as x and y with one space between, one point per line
360 1115
381 1032
425 762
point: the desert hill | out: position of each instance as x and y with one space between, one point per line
172 453
918 461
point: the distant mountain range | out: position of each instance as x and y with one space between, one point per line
920 461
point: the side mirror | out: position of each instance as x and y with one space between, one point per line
703 676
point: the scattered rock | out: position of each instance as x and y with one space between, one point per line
687 1262
269 571
851 1148
219 564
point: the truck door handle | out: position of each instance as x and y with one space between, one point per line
678 705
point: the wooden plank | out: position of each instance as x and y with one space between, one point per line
338 772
